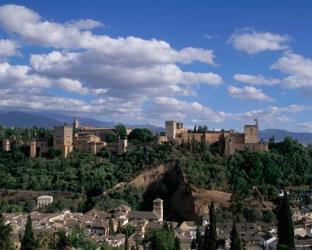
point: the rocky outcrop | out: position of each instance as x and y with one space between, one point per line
182 201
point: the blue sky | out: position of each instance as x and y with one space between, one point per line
221 63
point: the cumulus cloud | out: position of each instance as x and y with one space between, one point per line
32 99
248 93
119 79
256 79
84 24
20 76
33 29
273 115
164 108
128 67
299 71
253 42
8 48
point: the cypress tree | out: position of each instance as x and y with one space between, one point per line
177 245
28 241
193 244
198 240
235 239
5 235
119 229
61 240
211 238
127 240
285 226
111 227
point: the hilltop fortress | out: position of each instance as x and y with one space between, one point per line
233 141
93 140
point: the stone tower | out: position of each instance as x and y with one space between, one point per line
122 146
251 133
170 129
158 209
6 145
33 148
63 139
76 123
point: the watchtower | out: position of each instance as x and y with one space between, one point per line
158 209
6 145
33 148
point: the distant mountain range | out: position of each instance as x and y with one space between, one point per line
279 135
49 120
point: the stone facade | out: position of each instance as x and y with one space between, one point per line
234 141
6 145
88 142
247 140
44 200
175 131
33 149
63 139
158 209
122 146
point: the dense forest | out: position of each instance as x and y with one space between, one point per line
86 176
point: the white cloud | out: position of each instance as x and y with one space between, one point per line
20 76
103 108
8 48
299 71
303 126
33 29
164 108
248 93
256 79
253 42
128 67
71 85
273 115
84 24
119 79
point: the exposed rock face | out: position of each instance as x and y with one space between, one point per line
182 201
147 177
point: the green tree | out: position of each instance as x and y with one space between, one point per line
28 241
121 131
285 227
5 235
44 241
282 247
236 243
193 244
163 239
177 244
141 135
211 238
198 240
77 238
127 239
61 240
